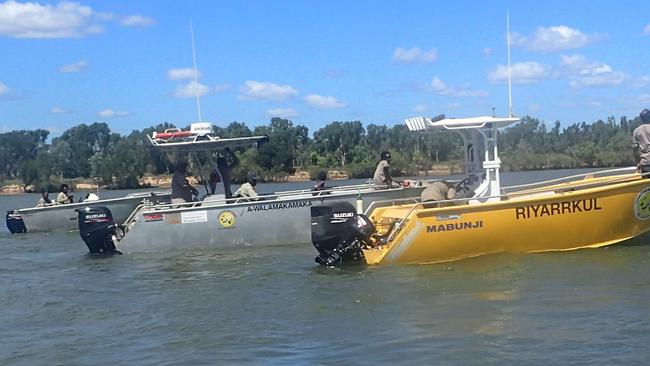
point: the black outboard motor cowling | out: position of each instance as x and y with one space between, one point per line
338 233
15 222
97 229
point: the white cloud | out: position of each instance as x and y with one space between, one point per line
646 30
487 51
137 21
183 73
65 19
33 20
415 54
221 88
4 89
256 90
59 110
441 88
420 108
191 90
522 72
641 81
585 72
282 113
75 67
453 106
323 102
109 113
551 39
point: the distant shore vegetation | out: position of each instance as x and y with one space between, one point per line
120 161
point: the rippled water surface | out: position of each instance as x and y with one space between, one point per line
274 305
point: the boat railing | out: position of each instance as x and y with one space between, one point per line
132 216
390 202
570 177
279 196
328 190
575 187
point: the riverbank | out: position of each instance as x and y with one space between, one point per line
164 180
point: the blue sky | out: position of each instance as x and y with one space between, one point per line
129 63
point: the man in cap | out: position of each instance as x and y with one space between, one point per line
641 143
382 175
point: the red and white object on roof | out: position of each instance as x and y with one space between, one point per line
196 130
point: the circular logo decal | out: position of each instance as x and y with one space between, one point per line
642 204
227 219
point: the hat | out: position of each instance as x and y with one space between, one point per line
645 115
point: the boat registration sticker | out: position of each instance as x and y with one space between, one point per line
642 204
194 217
227 219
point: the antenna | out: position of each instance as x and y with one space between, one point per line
196 73
509 68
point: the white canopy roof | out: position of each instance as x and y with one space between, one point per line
423 123
209 144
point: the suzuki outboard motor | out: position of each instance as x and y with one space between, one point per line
97 229
338 233
15 222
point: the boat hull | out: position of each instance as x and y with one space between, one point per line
555 221
64 217
259 223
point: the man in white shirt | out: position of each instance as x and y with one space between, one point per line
247 190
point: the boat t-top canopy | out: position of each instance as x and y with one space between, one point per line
423 123
209 143
480 146
200 137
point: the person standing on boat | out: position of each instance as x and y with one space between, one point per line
182 191
641 143
382 175
44 200
64 197
247 190
223 173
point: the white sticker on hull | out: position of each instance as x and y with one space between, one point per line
194 216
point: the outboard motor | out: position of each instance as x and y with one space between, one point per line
15 222
97 229
338 233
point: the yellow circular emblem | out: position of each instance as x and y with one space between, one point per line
642 204
227 219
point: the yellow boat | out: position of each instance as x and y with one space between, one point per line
587 211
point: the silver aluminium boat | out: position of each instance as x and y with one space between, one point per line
281 218
215 222
64 217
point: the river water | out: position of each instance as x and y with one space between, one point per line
275 306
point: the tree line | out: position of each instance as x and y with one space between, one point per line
114 160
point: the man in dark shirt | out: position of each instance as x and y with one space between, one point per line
223 173
182 191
